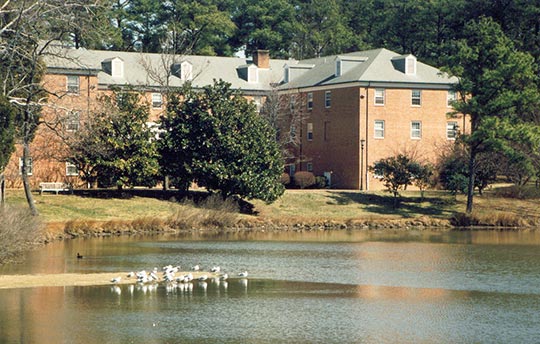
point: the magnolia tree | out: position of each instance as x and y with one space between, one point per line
215 138
116 147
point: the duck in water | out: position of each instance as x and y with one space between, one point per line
79 256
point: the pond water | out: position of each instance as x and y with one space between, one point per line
320 287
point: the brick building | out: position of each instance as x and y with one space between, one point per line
356 108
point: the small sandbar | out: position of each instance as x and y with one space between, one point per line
76 279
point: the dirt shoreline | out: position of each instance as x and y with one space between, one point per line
75 279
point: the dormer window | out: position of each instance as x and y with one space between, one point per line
338 67
253 74
410 65
114 67
405 64
186 71
249 73
183 70
345 63
294 70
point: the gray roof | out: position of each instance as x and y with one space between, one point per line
144 69
377 68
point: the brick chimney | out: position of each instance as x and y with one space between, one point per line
262 58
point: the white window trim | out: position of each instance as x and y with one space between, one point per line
419 130
30 166
72 117
70 165
375 129
154 102
70 88
310 101
419 98
450 98
454 130
309 132
383 97
339 68
328 99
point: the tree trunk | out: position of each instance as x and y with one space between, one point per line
26 183
2 189
470 189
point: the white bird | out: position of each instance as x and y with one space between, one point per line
243 274
116 280
196 268
131 274
223 277
215 269
203 278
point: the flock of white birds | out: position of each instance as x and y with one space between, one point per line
170 274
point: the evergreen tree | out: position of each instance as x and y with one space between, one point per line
497 86
215 138
116 147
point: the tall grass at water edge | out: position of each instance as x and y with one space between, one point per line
19 231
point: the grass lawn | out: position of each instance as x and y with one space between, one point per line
295 206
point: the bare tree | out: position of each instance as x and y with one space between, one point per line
28 29
287 114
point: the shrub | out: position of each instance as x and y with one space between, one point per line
320 182
304 179
19 231
285 179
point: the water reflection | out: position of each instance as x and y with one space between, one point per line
318 287
265 311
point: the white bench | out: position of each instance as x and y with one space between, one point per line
53 187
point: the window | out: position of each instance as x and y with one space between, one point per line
73 84
309 167
379 96
379 129
71 169
292 102
310 101
117 68
72 121
416 97
29 166
292 169
450 97
157 100
327 99
416 130
410 65
451 130
292 133
310 131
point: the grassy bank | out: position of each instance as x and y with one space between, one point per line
74 215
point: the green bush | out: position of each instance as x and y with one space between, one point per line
320 182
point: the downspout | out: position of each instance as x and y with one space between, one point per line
367 137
